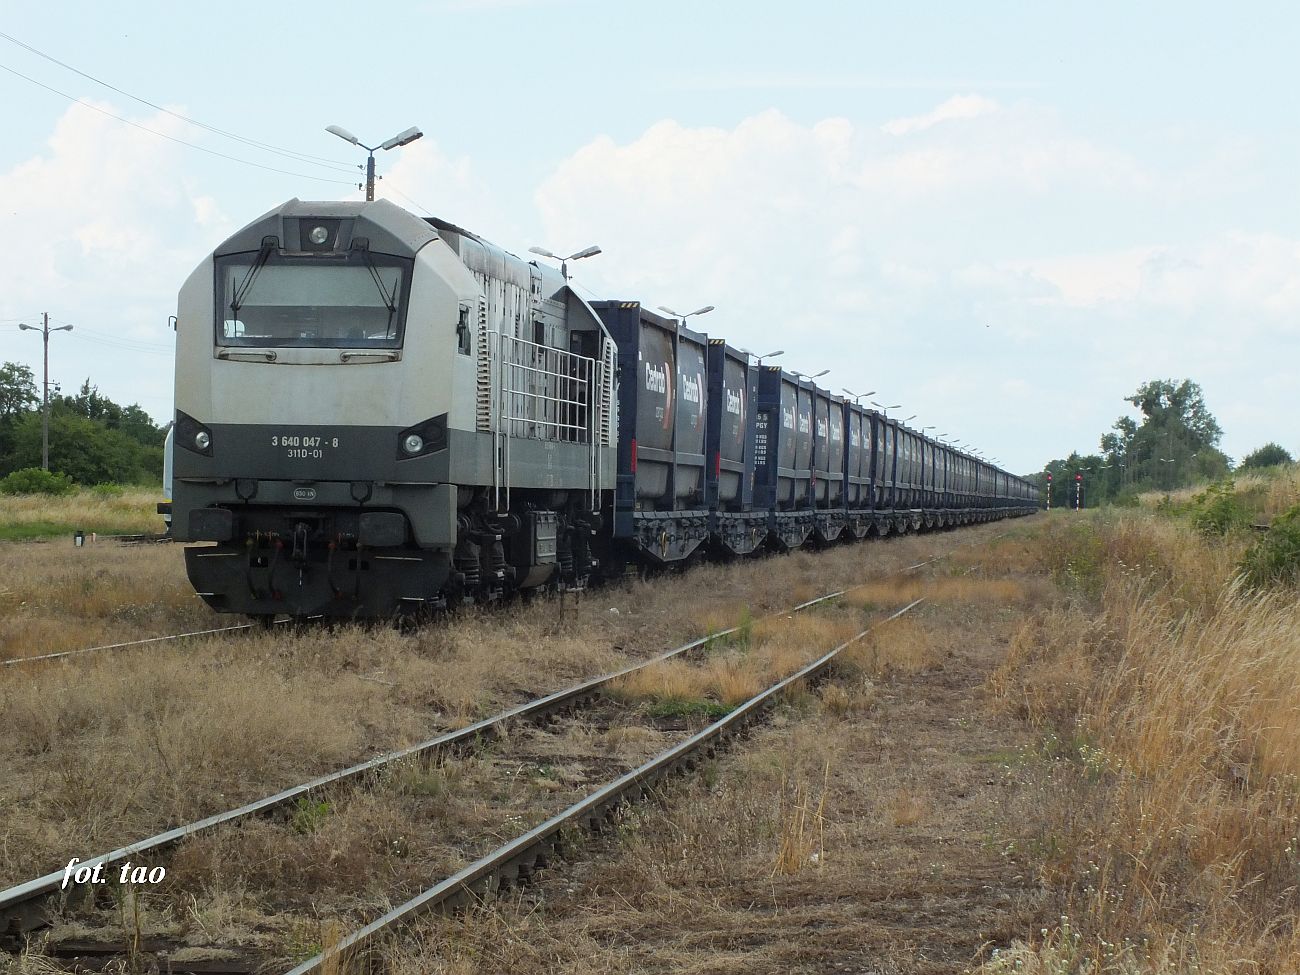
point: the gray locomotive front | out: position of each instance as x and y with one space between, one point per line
377 411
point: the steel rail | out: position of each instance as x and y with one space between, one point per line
146 640
21 905
123 646
521 853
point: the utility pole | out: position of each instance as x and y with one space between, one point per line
45 331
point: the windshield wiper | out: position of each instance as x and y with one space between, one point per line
389 300
241 292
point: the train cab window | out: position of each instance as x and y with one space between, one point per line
265 300
462 332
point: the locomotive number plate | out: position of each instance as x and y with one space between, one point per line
297 447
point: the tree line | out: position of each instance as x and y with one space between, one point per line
92 439
1174 445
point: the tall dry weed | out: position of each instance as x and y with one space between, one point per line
1174 708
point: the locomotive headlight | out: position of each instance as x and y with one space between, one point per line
202 440
318 235
413 443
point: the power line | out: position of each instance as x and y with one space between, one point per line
415 203
141 349
171 138
288 153
97 336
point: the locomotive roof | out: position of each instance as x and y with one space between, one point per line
390 229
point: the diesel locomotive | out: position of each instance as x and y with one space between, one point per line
378 412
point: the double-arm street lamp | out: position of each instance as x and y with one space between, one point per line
766 355
690 314
401 139
885 409
857 397
45 331
800 375
591 251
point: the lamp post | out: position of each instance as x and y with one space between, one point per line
906 418
857 397
681 319
796 372
885 409
591 251
766 355
401 139
45 331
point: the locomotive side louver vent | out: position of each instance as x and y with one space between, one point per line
483 400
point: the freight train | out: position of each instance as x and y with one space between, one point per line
378 413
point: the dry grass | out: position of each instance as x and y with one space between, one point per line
54 596
846 835
906 645
112 748
802 820
956 589
134 511
1269 492
1172 802
778 646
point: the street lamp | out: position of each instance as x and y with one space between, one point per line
591 251
906 418
766 355
858 396
800 376
681 319
401 139
45 331
885 409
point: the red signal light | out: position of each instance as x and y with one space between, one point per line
1049 477
1078 477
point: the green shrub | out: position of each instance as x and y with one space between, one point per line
1275 558
107 490
1217 510
35 480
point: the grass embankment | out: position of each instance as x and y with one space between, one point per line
24 517
1261 494
1169 783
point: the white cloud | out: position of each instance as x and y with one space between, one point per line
957 107
105 232
1253 274
424 179
930 267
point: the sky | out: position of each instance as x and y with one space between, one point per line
1001 217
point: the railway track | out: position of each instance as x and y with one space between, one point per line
520 857
474 871
24 907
